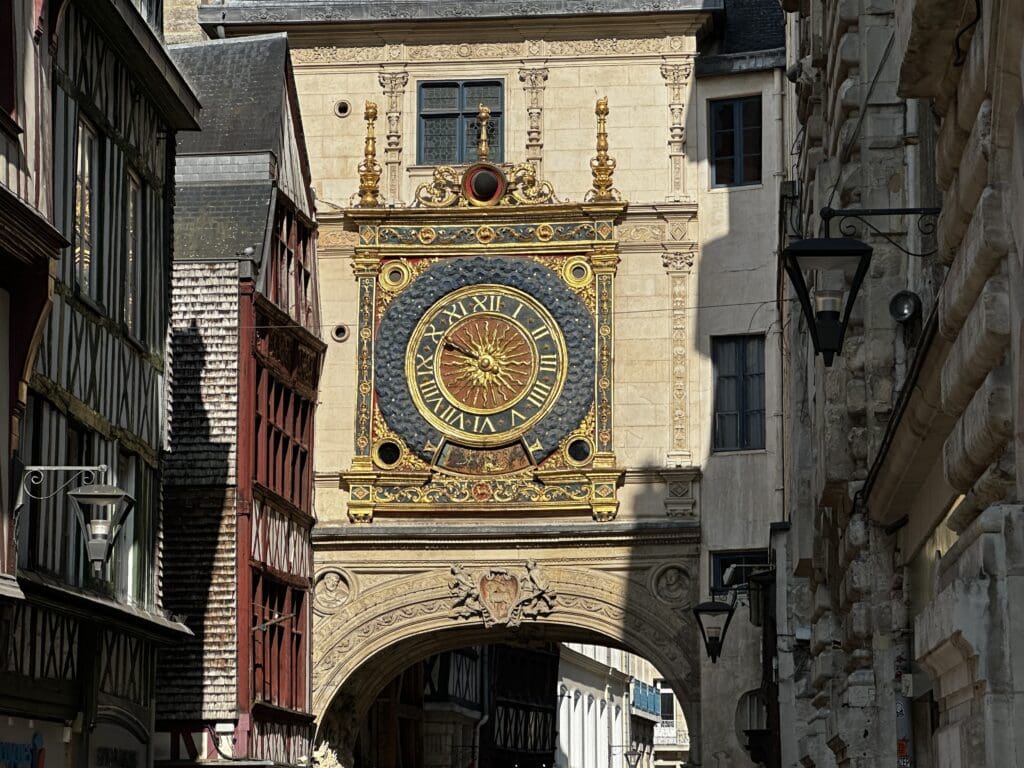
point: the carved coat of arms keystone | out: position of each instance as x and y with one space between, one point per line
498 596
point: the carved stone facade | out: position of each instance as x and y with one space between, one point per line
679 264
904 474
461 585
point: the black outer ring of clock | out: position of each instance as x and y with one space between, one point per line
394 397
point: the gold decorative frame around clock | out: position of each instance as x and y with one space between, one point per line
574 242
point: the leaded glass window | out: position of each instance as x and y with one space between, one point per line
448 128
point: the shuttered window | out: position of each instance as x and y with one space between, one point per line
739 392
448 128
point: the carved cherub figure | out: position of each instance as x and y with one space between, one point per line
466 592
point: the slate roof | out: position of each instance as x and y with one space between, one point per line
220 220
240 83
751 25
748 35
262 12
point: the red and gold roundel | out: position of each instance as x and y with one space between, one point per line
484 184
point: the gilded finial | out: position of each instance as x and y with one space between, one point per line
369 168
602 166
483 151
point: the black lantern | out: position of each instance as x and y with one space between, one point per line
101 512
632 758
828 316
713 618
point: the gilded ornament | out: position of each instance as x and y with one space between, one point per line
485 235
426 235
545 232
483 117
369 168
524 188
446 189
602 166
577 272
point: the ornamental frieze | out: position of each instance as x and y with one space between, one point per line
487 234
516 489
598 48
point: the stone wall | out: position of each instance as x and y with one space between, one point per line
913 546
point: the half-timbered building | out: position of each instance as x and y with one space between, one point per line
246 358
77 655
29 243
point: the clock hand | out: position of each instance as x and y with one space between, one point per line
461 350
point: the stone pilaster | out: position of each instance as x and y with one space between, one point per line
393 84
677 77
533 81
679 265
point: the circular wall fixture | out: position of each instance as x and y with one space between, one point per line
579 451
576 272
388 453
484 184
394 275
342 108
905 306
340 332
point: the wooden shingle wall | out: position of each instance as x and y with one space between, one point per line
202 396
197 678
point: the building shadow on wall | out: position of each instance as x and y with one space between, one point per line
196 677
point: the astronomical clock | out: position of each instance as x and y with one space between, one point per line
484 347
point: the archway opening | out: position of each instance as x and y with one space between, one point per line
529 697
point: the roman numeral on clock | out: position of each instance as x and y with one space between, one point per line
548 364
541 389
490 303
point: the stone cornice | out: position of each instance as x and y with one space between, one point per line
479 537
290 12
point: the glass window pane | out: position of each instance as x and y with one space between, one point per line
472 140
726 429
724 145
754 427
725 172
752 112
722 115
439 97
751 169
754 357
475 94
439 140
726 394
724 354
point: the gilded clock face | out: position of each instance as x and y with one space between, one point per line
484 353
485 364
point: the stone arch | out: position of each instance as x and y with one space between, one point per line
381 630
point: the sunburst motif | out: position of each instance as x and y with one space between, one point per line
487 363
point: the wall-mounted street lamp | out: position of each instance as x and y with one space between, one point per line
846 258
101 510
632 757
828 315
713 618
